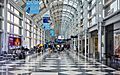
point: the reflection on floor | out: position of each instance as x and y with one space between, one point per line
55 64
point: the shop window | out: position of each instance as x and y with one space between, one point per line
117 42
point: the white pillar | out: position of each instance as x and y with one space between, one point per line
5 42
85 43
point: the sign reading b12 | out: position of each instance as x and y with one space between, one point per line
32 6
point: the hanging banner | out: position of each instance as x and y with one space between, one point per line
46 26
32 6
46 19
52 32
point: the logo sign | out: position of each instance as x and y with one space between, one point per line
32 6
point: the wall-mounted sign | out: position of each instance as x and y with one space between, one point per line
32 6
14 41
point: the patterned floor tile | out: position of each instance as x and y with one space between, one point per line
44 73
16 72
70 72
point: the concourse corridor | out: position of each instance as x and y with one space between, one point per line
65 63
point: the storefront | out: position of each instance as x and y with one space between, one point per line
112 42
94 53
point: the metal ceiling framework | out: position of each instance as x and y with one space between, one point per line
60 10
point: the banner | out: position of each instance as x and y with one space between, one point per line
46 19
52 32
14 41
32 6
46 26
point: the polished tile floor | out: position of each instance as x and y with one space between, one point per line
55 64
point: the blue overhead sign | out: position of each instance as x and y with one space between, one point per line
46 26
32 6
46 19
52 32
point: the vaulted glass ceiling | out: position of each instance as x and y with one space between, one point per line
61 11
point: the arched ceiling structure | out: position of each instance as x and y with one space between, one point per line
60 10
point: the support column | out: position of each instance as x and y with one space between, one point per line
85 44
100 42
24 32
99 12
5 48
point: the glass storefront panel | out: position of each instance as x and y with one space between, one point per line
117 39
117 42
